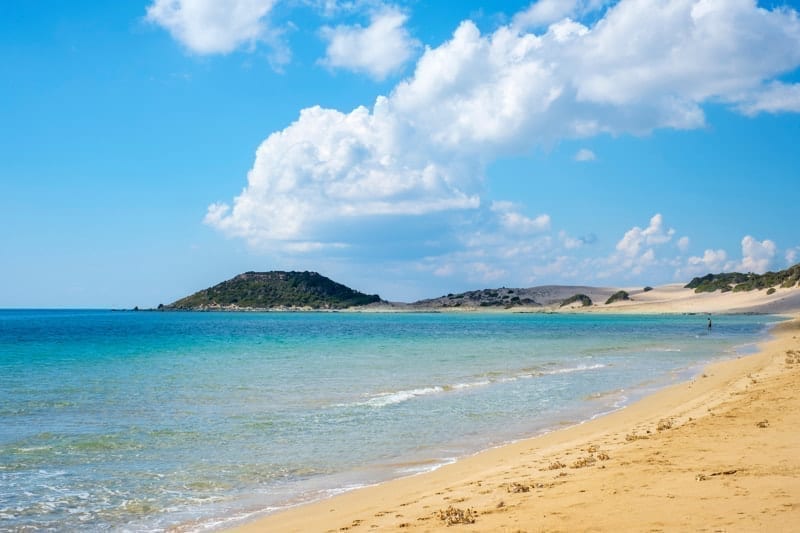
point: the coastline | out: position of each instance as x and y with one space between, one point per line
630 469
664 299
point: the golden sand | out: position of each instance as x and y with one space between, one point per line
719 453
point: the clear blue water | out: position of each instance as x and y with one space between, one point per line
144 421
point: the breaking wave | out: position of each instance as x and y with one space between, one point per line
384 399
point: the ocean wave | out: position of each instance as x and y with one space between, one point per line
570 370
392 398
460 386
556 371
384 399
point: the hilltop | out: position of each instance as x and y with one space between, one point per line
772 292
545 296
737 282
275 290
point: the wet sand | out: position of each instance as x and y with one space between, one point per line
719 453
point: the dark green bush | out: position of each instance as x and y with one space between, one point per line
738 282
618 296
585 300
277 289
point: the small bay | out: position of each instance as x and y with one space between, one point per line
145 421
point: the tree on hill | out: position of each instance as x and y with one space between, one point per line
736 281
582 298
617 297
265 290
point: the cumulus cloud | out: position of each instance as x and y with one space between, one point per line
636 250
380 49
210 26
636 238
712 261
792 256
681 58
584 154
487 272
491 257
756 255
516 222
570 243
329 166
776 98
683 244
495 243
423 148
544 12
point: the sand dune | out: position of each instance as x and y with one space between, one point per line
675 299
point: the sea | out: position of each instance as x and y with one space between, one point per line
153 421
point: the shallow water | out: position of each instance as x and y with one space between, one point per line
143 421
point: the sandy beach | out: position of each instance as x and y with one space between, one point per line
718 453
674 298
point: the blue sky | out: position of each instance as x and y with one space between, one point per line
150 149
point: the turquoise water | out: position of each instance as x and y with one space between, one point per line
146 421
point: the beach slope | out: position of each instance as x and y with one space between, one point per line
719 453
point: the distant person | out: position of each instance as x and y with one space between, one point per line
709 323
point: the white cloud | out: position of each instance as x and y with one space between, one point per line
584 154
635 238
792 255
544 12
487 272
328 166
494 244
683 244
687 52
570 243
635 251
423 148
211 26
380 49
712 261
756 255
518 223
776 98
560 267
490 260
444 270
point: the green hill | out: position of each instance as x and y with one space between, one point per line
267 290
735 281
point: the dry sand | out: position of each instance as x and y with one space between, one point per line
719 453
675 299
672 298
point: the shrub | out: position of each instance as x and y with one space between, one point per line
738 282
585 300
618 296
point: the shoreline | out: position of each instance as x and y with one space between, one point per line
536 482
665 299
